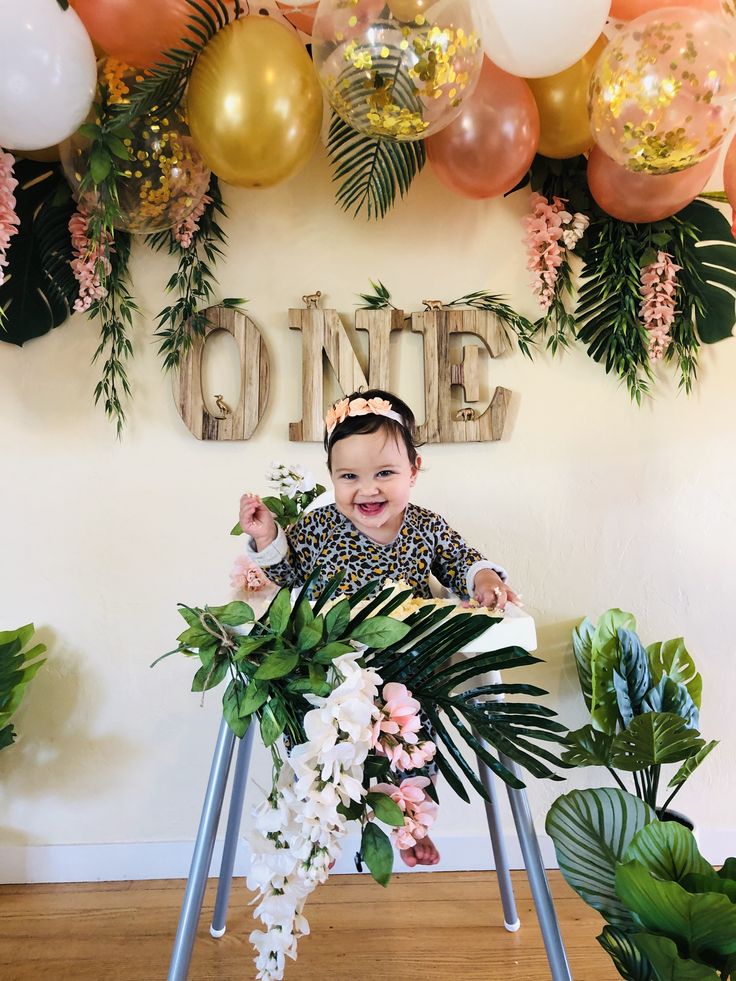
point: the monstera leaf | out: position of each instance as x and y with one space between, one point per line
653 739
714 274
39 287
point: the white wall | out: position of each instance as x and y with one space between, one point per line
588 500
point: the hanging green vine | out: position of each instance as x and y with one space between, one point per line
178 324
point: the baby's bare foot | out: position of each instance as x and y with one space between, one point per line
423 853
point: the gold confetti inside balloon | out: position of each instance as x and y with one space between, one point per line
401 70
662 93
165 178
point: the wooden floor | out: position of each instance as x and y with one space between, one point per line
444 927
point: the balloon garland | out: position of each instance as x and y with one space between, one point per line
407 82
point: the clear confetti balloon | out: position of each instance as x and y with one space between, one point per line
662 93
164 180
400 69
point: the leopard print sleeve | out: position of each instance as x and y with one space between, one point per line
453 557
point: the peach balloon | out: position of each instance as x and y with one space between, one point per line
562 100
629 9
490 146
729 179
135 31
639 197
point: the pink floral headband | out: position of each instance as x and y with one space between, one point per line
359 407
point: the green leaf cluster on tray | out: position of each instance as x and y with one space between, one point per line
644 706
670 916
271 664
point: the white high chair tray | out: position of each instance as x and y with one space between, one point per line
516 629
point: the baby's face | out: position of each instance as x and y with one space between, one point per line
373 479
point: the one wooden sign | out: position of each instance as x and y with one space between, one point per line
324 338
238 421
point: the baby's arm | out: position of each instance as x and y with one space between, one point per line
466 572
268 545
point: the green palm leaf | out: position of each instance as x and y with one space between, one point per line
39 287
18 667
163 86
371 171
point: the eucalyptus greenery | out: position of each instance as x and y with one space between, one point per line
644 705
284 655
180 322
18 667
670 915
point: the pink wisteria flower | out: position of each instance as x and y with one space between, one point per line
657 310
91 260
245 575
185 231
550 231
419 810
396 730
8 218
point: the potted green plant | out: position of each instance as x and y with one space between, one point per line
17 668
644 706
670 916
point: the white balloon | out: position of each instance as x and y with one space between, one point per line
536 38
48 73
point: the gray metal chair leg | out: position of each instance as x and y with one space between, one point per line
501 859
202 859
548 923
237 796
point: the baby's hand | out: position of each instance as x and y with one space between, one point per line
257 521
490 590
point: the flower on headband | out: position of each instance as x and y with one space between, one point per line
359 407
337 414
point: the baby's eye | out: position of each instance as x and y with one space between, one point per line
385 473
347 476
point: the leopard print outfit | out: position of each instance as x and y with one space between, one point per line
425 545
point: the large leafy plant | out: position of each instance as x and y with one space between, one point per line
17 669
670 915
284 657
644 706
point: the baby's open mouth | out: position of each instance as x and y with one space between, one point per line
371 509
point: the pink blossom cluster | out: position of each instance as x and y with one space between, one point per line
8 218
184 232
245 575
396 730
550 230
419 810
90 260
657 310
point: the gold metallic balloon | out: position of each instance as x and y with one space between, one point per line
562 100
255 104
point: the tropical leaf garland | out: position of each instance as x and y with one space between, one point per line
39 287
185 319
372 171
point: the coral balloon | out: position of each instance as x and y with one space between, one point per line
629 196
489 147
47 73
255 105
534 39
300 15
562 100
166 177
662 93
630 9
401 71
135 31
729 179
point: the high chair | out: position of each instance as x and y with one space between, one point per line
517 628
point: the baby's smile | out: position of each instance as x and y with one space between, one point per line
371 508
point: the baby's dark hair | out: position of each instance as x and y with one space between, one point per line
403 432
